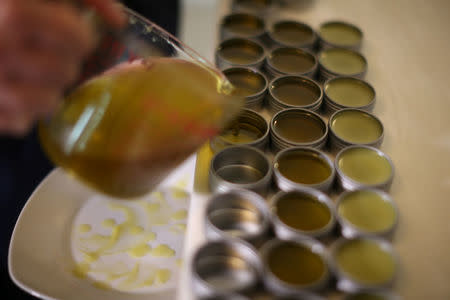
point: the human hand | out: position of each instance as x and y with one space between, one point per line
42 46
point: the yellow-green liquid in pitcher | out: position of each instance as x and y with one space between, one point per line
122 132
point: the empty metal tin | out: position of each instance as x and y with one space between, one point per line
303 167
340 34
294 92
238 213
363 264
363 167
366 212
355 127
289 33
238 52
348 92
248 83
341 62
248 129
225 266
257 7
302 213
290 61
242 25
295 267
240 167
296 127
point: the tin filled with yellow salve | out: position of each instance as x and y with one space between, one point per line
239 52
290 61
341 62
340 34
294 92
290 33
242 25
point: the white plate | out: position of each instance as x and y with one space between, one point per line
43 252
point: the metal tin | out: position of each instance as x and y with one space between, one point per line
340 34
249 124
238 52
348 92
296 127
226 297
310 158
341 62
242 25
365 266
375 208
381 295
250 84
294 92
280 286
240 167
225 266
257 7
350 126
290 61
317 220
290 33
238 214
353 170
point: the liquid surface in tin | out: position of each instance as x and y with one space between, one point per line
302 212
299 127
240 174
366 262
245 83
295 93
303 167
240 54
356 127
122 132
368 211
243 26
349 92
342 61
296 264
340 34
241 133
291 34
291 62
365 166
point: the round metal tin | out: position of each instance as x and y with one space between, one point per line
348 92
341 62
248 83
366 212
238 214
238 52
225 266
282 287
296 127
290 61
317 169
242 25
257 7
375 254
290 33
355 164
350 126
240 167
311 216
340 34
294 92
378 295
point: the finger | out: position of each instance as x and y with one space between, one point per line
111 12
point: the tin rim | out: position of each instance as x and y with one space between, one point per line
352 284
331 102
319 197
255 199
351 184
338 22
237 6
311 244
253 72
239 16
255 45
288 184
328 74
356 231
384 294
307 44
277 72
343 142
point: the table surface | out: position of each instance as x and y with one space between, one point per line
407 45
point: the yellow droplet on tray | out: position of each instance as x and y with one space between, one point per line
139 250
81 270
179 194
102 285
162 276
109 223
180 214
84 228
135 230
162 250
